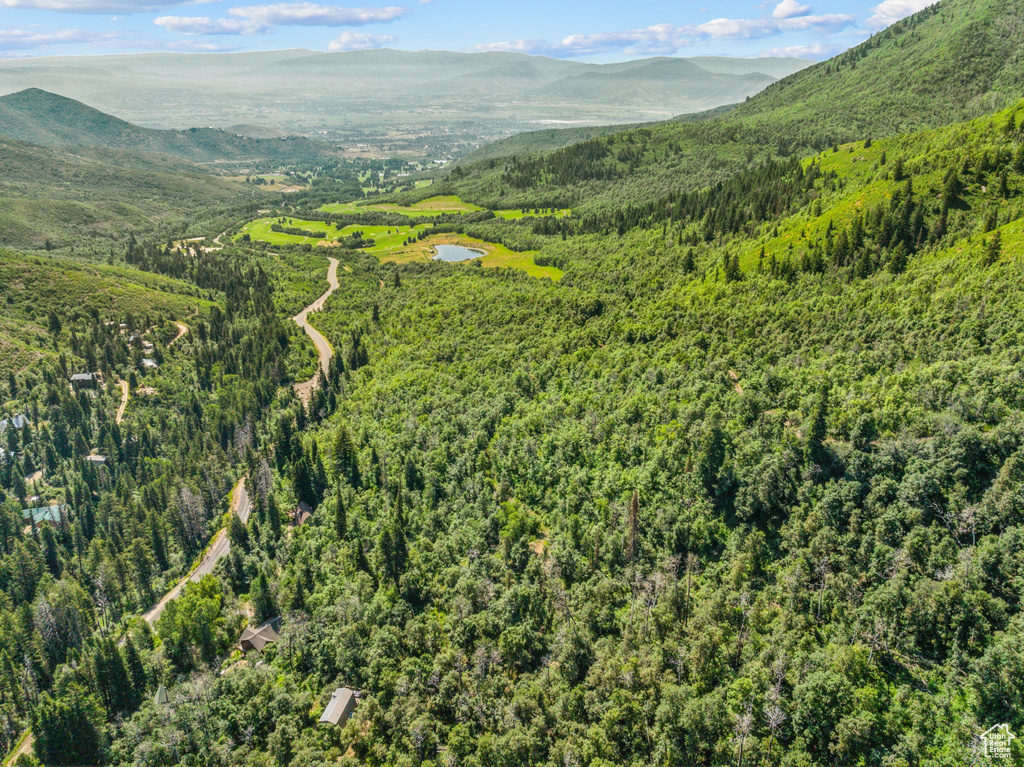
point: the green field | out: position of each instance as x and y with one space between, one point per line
514 214
497 256
436 206
384 237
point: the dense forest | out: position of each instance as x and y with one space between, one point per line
744 487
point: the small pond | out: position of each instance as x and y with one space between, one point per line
456 253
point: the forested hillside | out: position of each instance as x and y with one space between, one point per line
93 196
742 486
955 60
723 464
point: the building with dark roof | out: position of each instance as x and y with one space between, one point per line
258 638
302 514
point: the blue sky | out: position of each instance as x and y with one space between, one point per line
605 30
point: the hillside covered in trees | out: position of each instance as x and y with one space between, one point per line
745 486
955 60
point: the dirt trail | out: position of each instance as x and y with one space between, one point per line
182 332
124 401
24 747
217 550
323 348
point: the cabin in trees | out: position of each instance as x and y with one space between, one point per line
148 363
342 705
14 422
302 514
51 514
80 381
258 638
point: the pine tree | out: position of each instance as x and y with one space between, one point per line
994 250
136 671
634 525
340 518
263 601
69 728
689 264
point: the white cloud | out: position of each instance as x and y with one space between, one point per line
28 39
891 11
97 6
789 8
811 51
359 41
204 25
253 19
313 15
666 39
748 28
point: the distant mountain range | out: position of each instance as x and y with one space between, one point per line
953 61
308 92
49 120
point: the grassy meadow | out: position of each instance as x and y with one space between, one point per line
497 256
436 206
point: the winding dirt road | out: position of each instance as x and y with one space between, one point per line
182 332
323 347
124 401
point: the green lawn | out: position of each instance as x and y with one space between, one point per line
532 213
384 237
260 229
495 255
435 206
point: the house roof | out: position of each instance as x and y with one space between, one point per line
96 458
44 514
340 708
149 363
17 422
263 635
82 377
162 697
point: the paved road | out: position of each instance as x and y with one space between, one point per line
218 549
323 348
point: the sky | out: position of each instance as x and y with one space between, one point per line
586 30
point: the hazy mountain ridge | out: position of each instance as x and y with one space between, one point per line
954 61
307 91
47 119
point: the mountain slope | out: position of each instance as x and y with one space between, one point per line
953 61
47 119
73 196
786 497
33 286
674 80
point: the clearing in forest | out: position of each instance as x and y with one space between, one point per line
296 231
496 255
435 206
